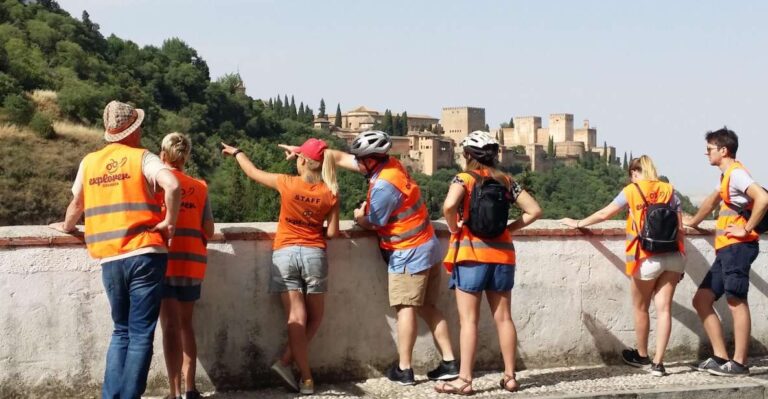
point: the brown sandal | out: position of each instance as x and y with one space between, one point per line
447 387
504 381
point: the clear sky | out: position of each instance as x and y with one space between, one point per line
652 76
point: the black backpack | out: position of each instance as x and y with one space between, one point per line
762 226
660 226
488 207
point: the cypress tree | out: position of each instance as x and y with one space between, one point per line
337 121
551 147
321 110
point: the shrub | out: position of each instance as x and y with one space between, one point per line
18 109
42 125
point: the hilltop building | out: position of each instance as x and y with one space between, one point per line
523 145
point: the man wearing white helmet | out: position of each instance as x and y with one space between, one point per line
395 210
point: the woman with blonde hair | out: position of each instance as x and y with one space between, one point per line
481 256
187 259
655 266
299 271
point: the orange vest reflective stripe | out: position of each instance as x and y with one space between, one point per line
119 210
409 225
465 247
188 256
655 192
727 215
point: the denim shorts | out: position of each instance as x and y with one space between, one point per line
298 268
478 277
729 274
182 289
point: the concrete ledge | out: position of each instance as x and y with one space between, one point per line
21 236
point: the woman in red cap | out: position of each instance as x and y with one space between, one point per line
299 270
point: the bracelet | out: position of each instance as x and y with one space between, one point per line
234 154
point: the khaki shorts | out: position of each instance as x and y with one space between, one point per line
417 289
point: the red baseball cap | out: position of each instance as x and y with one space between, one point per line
313 149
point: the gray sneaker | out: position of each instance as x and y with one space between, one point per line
730 369
709 364
286 374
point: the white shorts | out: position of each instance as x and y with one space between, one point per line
652 267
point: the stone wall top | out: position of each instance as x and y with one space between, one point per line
23 236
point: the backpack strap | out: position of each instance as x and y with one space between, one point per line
475 176
641 193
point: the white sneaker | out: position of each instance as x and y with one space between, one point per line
286 374
307 387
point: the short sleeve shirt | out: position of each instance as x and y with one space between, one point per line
384 200
737 187
151 165
303 209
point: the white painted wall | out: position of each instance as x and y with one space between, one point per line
570 304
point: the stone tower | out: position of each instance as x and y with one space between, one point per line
458 122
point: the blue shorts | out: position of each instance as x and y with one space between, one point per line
189 293
480 277
729 274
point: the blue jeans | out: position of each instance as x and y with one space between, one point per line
134 289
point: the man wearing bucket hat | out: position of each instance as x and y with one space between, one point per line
125 230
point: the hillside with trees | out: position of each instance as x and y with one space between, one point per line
57 73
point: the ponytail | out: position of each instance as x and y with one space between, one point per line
645 166
329 172
499 176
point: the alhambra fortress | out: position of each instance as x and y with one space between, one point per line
432 143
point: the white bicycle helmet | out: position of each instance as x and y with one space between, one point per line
478 139
372 142
481 146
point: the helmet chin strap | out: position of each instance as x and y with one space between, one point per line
378 162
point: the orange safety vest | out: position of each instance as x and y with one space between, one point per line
188 256
409 225
727 215
655 192
119 209
465 247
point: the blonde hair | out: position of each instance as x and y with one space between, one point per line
499 176
325 169
177 148
645 166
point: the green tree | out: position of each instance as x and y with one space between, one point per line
625 165
321 110
337 120
551 147
512 122
605 152
18 109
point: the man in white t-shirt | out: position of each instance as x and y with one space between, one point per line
126 231
736 247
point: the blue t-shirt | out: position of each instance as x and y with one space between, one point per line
385 199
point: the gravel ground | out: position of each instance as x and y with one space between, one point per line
564 381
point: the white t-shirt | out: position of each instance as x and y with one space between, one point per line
151 165
737 187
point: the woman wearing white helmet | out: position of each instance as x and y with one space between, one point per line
481 256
